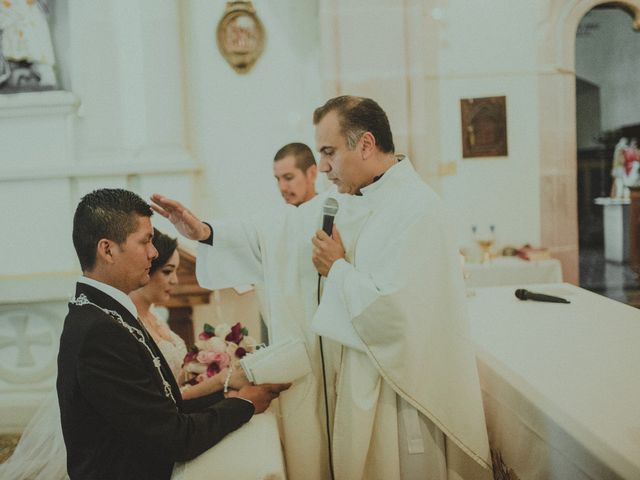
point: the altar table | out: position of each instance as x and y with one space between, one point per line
253 452
560 383
512 271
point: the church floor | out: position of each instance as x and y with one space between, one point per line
613 280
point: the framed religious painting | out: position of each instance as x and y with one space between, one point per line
484 127
240 35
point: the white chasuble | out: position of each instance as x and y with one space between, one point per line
408 397
274 251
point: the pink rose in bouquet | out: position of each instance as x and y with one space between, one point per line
217 348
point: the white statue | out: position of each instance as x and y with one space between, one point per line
617 169
631 166
26 51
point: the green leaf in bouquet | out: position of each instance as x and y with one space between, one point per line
244 330
209 329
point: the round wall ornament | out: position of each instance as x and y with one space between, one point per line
240 35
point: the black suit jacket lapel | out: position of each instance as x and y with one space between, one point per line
106 301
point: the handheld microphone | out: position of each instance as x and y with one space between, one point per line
329 211
523 294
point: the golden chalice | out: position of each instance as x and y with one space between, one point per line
485 241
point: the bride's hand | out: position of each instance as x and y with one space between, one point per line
238 379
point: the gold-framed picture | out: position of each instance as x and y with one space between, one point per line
484 127
240 35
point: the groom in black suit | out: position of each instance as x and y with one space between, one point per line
121 410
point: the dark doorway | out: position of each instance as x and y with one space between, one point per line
607 119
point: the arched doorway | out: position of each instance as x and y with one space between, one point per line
608 126
557 126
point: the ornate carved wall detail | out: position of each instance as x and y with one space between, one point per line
28 345
240 35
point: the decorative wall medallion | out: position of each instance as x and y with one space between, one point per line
484 127
240 35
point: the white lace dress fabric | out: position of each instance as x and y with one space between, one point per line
173 351
41 453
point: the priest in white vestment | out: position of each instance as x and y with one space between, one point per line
402 386
408 402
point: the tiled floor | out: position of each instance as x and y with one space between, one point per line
613 280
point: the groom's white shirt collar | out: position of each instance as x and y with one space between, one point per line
118 295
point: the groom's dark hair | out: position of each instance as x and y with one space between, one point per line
109 213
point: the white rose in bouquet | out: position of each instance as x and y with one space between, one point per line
222 330
231 349
249 343
215 344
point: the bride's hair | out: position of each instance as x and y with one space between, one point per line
165 245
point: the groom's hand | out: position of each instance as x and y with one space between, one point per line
261 395
182 218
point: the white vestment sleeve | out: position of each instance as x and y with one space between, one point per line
234 259
346 293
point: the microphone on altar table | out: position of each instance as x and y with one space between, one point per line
329 211
523 294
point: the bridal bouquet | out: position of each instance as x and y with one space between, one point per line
217 348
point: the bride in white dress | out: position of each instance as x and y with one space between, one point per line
163 278
41 454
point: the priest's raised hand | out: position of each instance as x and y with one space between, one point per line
182 218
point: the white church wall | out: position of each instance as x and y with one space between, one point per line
485 52
238 122
119 123
500 191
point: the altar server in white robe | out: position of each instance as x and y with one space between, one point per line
408 397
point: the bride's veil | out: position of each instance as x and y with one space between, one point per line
40 454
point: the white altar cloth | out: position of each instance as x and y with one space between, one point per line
253 452
560 383
512 271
